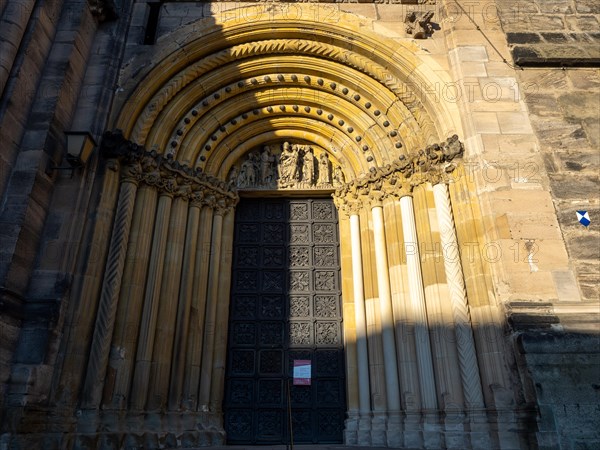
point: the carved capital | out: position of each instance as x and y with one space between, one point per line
347 203
167 175
353 207
376 198
223 207
131 172
197 198
429 165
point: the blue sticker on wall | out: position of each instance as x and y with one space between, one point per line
584 218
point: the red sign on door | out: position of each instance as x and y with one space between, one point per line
302 372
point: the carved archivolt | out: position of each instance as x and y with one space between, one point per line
432 165
281 46
165 174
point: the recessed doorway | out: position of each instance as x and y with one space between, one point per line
285 306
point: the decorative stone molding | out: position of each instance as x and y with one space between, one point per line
166 174
431 165
146 120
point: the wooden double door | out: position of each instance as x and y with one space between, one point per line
285 307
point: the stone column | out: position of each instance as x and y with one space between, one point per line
198 308
486 319
129 312
107 308
182 326
351 424
222 320
168 303
467 356
439 314
385 303
404 326
361 320
141 378
374 333
364 392
87 285
211 308
417 301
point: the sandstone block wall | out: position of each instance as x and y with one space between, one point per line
556 43
565 114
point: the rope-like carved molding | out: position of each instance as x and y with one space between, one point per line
111 285
465 344
280 46
431 165
166 174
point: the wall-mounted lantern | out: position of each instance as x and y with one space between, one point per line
80 145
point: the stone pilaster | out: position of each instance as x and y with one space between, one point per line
72 354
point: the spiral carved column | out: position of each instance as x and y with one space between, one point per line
469 368
129 312
107 308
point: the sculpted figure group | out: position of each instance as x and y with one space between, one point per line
295 167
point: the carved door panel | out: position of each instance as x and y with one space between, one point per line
285 305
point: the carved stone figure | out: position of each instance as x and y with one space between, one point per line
338 177
266 166
295 166
248 170
288 162
452 148
324 170
418 24
308 166
233 176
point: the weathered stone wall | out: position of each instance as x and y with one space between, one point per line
565 115
558 32
57 58
557 45
531 135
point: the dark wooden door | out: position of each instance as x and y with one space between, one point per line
285 306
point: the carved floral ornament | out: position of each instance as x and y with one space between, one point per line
431 165
167 175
